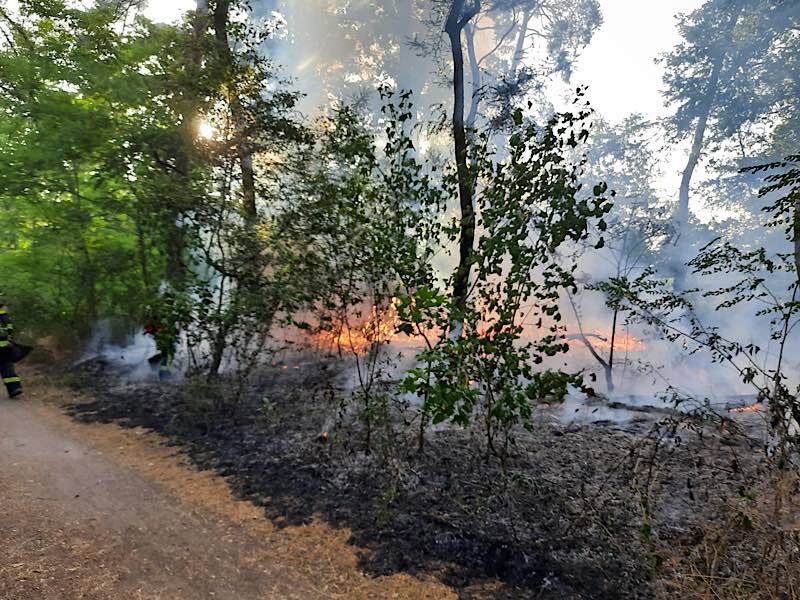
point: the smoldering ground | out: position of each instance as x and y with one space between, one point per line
561 521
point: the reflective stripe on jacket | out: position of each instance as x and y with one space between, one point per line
6 327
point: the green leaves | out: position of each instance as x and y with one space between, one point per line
551 386
481 361
599 189
74 188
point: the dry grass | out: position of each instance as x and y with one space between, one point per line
751 552
318 556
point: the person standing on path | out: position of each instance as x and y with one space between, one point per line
7 371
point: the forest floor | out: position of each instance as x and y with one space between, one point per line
259 498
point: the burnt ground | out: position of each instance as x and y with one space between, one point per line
581 511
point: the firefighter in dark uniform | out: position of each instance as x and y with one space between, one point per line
9 375
166 343
162 325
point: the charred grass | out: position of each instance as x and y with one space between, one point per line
580 511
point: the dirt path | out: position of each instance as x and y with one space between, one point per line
90 511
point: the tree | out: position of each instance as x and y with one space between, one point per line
112 192
744 282
461 18
343 51
722 79
241 285
83 105
639 228
461 13
367 225
259 121
531 206
514 64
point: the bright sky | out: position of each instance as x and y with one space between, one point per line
167 11
618 66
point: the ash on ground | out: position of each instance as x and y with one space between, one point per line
562 519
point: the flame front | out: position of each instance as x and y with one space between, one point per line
379 328
753 408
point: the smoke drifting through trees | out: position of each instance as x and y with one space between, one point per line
358 171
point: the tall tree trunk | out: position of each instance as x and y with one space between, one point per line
248 178
475 76
176 236
511 76
406 71
456 21
198 27
244 149
682 214
88 275
519 49
90 281
141 244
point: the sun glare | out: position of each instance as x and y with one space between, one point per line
206 130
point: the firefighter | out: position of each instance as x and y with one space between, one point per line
166 343
9 375
164 330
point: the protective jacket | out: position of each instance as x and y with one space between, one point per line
6 328
9 375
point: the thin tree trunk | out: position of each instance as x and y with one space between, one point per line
406 70
456 21
87 270
511 76
176 236
613 339
91 284
697 142
248 178
519 49
142 248
219 346
608 367
198 26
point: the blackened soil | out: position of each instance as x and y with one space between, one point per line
562 521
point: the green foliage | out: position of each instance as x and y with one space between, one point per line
530 209
83 216
111 192
552 386
367 225
756 55
783 211
367 221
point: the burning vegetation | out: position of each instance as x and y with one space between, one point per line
358 334
446 205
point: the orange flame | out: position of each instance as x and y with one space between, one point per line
624 343
753 408
379 327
